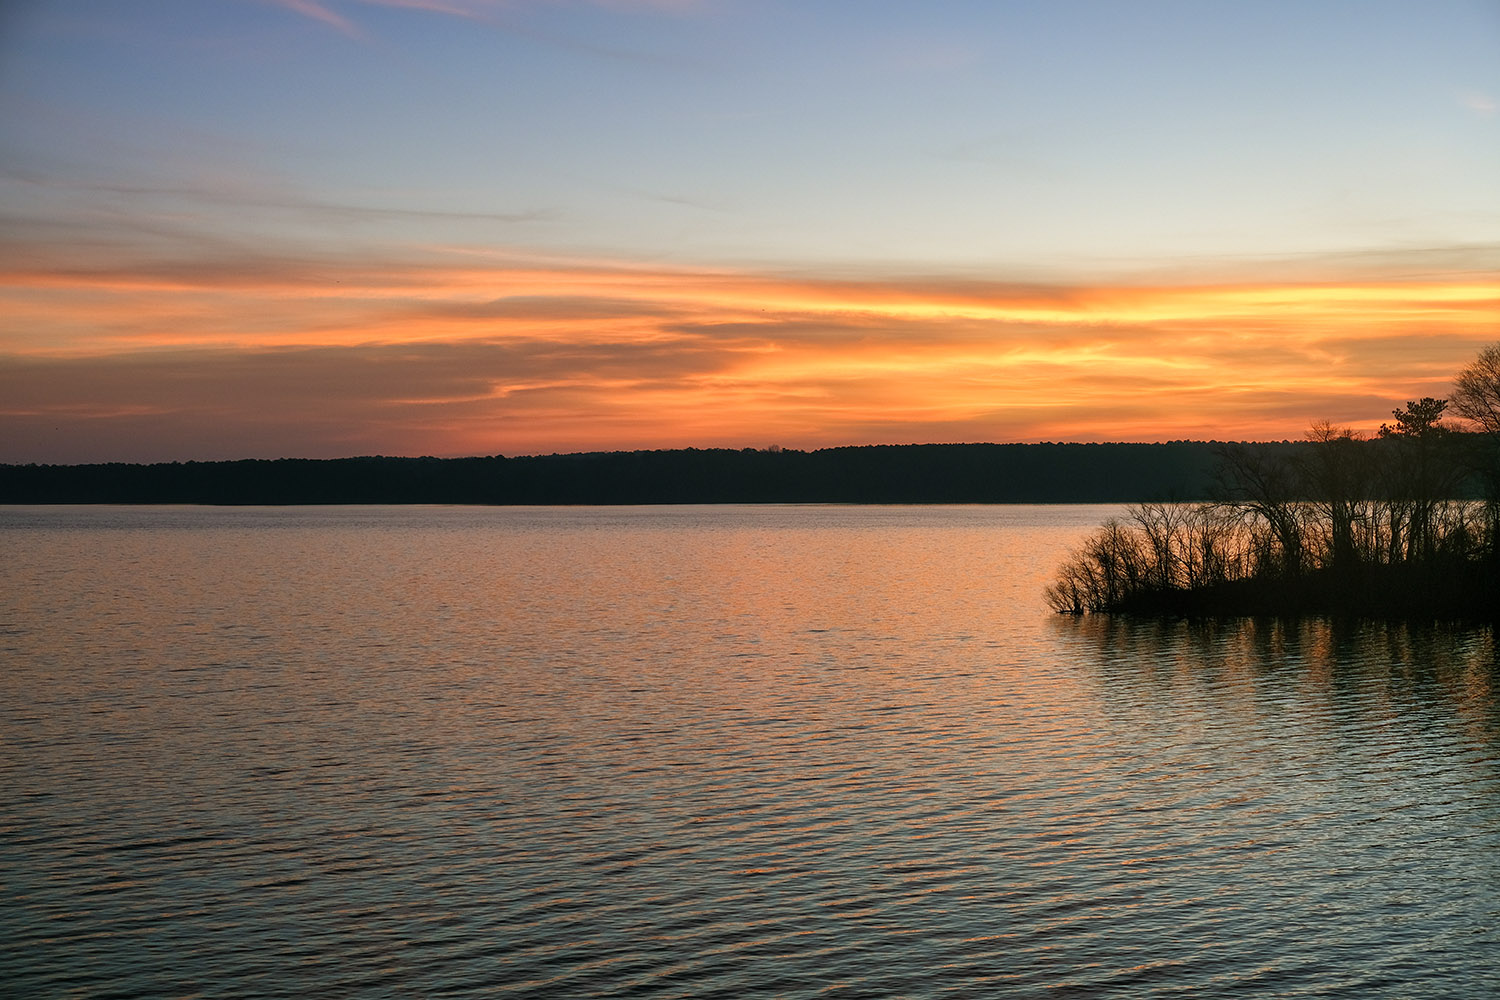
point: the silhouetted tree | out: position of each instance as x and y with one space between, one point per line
1422 474
1476 397
1476 390
1338 475
1158 553
1266 485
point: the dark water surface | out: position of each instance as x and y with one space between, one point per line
710 752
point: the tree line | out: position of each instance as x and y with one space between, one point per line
1405 523
960 473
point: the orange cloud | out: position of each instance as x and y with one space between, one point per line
463 353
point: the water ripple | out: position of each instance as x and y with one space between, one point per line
805 752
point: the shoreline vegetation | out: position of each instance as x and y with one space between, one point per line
1212 560
1405 525
933 473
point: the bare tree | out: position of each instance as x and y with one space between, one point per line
1266 486
1476 390
1476 397
1338 474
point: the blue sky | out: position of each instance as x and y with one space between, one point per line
1080 135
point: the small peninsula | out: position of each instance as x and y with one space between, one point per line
1402 525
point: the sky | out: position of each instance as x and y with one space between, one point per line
322 228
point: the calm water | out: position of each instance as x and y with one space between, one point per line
710 752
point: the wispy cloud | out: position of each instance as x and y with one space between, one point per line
508 16
127 219
473 10
321 13
1478 102
289 201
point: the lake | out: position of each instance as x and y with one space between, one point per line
711 752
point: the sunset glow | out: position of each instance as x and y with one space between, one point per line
244 278
455 360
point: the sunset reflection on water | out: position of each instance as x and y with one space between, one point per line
752 751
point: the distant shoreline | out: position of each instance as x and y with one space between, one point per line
933 473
